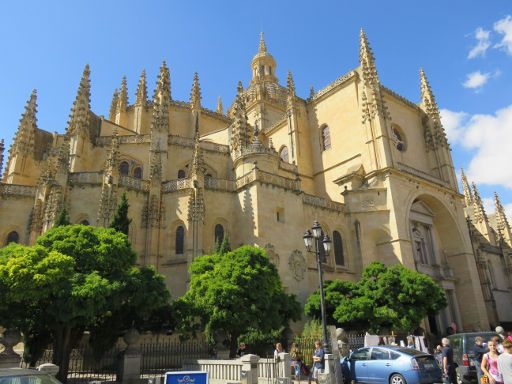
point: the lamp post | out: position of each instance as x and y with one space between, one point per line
314 235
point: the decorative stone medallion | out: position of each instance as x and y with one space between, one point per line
297 265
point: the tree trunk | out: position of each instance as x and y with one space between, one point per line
233 346
65 340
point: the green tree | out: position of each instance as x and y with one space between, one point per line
223 247
121 222
384 298
235 294
75 278
63 218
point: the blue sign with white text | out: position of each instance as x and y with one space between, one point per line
186 377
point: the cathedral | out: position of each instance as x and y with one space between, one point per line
373 168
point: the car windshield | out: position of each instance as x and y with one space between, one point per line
410 351
28 379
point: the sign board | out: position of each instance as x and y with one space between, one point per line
184 377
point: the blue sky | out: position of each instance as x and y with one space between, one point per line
45 45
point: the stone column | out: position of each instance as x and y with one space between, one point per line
9 358
328 376
250 369
285 369
131 359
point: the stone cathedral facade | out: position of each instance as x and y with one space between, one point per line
373 168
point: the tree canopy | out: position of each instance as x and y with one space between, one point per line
75 278
235 294
121 222
384 298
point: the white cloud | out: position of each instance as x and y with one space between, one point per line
476 80
504 27
483 43
489 136
453 123
488 204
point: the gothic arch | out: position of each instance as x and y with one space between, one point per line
9 233
174 238
212 234
82 218
283 154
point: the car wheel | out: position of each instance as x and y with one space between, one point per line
397 379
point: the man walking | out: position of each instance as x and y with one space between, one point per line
450 375
505 362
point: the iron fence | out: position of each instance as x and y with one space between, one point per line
84 367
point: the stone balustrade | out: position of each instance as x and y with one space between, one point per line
320 202
134 183
267 178
219 184
176 185
128 139
219 371
95 178
17 190
205 145
421 174
287 166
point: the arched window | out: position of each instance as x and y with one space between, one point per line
337 241
180 240
137 173
219 233
326 138
13 237
398 138
124 168
181 174
85 222
283 154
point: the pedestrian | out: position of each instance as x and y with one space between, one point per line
279 349
318 360
438 354
450 374
296 356
490 363
479 349
242 350
505 362
498 340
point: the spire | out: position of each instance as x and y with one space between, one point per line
142 90
195 94
438 134
478 206
501 217
263 46
112 161
240 128
113 106
239 88
311 92
161 101
291 84
79 118
219 106
367 61
2 148
122 102
197 161
24 139
468 196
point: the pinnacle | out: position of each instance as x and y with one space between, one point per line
79 117
123 96
263 46
367 60
240 87
113 105
142 92
291 83
195 95
219 106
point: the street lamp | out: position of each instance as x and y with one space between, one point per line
314 235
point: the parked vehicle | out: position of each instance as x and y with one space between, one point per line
463 355
42 375
390 365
